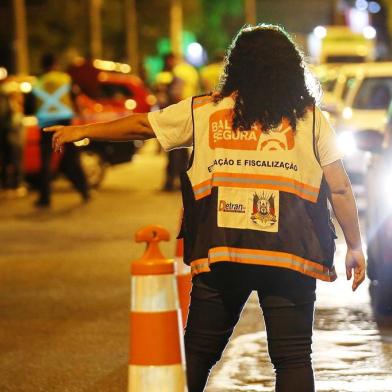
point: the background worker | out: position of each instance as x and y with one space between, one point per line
178 80
12 135
54 106
241 220
210 73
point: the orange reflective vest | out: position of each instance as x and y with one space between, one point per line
255 198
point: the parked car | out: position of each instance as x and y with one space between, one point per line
379 216
101 95
365 107
340 44
336 85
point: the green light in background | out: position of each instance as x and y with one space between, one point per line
164 44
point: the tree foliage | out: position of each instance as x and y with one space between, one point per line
63 27
220 20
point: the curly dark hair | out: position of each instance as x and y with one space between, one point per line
265 72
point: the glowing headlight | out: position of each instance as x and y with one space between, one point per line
130 104
3 73
347 113
347 143
26 87
320 32
383 186
369 32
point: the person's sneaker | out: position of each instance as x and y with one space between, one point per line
86 196
168 187
42 204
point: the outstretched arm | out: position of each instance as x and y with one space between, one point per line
132 127
343 204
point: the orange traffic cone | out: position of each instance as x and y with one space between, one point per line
156 354
184 280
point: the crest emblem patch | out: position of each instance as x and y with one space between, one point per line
263 212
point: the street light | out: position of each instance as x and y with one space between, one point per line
250 11
176 26
21 52
95 28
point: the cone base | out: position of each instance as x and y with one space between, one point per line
169 378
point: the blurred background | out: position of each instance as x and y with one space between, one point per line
141 32
64 256
118 55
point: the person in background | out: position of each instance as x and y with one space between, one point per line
169 89
256 217
12 141
5 126
54 106
190 77
210 73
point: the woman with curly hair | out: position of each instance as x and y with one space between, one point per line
255 196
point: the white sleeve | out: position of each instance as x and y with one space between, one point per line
173 125
326 140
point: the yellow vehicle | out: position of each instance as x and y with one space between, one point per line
339 44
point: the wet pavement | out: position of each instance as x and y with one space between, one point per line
351 353
64 298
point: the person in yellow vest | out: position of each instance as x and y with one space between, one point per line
54 106
255 195
190 77
210 73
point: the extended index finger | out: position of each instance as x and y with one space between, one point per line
53 128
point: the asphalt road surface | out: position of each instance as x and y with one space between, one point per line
64 297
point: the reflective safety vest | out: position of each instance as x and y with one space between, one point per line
255 198
54 99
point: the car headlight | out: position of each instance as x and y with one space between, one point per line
347 143
347 113
130 104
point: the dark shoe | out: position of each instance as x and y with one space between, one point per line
168 187
86 198
42 203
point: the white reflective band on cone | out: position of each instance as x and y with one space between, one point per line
144 378
154 293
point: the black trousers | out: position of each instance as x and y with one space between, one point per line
69 165
287 302
5 158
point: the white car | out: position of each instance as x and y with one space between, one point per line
339 82
365 108
379 219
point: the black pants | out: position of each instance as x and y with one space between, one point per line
5 158
287 301
69 165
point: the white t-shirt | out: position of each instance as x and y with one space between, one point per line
174 129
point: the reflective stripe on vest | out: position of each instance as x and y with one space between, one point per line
262 257
52 108
241 180
255 198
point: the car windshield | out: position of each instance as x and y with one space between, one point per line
115 91
374 93
329 84
350 81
